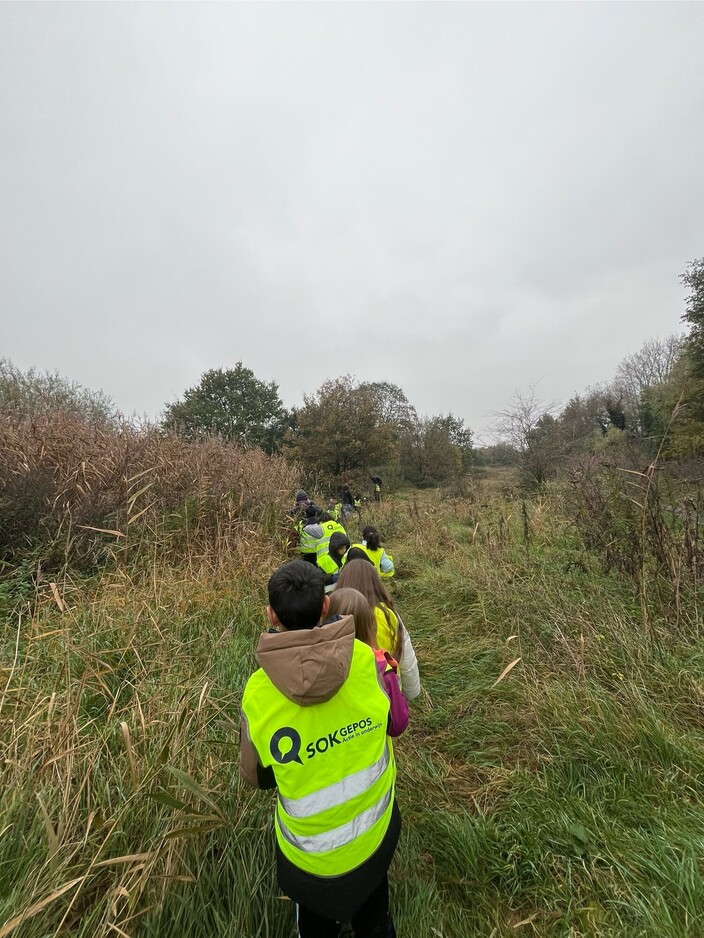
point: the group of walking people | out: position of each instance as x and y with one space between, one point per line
321 538
337 668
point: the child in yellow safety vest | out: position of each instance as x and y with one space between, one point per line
371 545
309 534
315 724
391 634
372 541
330 561
349 602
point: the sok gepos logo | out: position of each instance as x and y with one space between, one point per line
291 753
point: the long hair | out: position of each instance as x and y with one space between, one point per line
349 602
363 576
371 536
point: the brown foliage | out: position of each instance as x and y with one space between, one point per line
645 524
81 491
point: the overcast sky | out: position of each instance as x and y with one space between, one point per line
462 199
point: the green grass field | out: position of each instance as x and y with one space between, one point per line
563 799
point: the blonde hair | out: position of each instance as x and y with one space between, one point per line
361 576
349 602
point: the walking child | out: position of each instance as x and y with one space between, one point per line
391 634
349 602
315 718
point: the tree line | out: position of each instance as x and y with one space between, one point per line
344 430
653 406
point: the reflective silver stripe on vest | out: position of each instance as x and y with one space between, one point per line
339 836
339 792
324 542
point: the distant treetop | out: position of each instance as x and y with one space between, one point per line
32 393
232 404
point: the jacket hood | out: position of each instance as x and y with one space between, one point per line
308 666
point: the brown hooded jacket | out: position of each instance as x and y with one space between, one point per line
308 666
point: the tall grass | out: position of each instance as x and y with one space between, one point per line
559 796
74 494
565 797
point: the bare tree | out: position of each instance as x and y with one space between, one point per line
650 366
529 424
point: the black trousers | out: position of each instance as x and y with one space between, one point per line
371 920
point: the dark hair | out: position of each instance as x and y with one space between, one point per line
348 602
324 516
371 536
296 594
337 541
358 553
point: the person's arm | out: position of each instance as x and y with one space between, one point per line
251 769
410 678
398 714
386 564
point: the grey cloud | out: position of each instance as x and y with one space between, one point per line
459 198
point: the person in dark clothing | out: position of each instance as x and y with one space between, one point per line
347 499
331 562
309 533
377 487
303 505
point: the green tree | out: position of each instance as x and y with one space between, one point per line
232 404
342 430
497 454
693 277
435 449
673 408
583 420
529 425
637 374
392 403
672 413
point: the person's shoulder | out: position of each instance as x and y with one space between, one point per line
256 682
366 654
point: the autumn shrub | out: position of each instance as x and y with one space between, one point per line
644 524
75 492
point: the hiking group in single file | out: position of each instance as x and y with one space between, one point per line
336 671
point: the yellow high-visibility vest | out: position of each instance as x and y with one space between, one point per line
329 528
374 555
334 767
327 563
307 544
386 629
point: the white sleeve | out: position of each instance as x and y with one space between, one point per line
386 564
408 666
